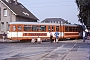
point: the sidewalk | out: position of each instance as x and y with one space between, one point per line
7 40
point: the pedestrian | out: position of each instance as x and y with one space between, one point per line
85 35
33 40
57 36
51 36
39 40
4 36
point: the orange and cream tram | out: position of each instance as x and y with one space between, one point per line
29 30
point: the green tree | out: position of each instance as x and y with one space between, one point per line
84 11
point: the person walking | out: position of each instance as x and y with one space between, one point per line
33 40
57 36
51 36
39 40
85 34
4 36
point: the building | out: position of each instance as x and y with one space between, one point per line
13 11
55 20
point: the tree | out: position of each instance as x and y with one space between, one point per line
84 11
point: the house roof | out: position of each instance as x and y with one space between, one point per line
19 10
53 19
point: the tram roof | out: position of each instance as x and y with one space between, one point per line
38 23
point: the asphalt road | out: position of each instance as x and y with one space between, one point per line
44 51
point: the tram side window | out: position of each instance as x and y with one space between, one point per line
48 28
42 28
34 28
27 28
70 29
73 28
53 28
57 28
66 29
77 29
14 28
19 28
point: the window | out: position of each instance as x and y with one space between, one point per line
57 21
70 29
2 26
19 28
54 21
74 29
57 28
5 12
27 28
66 29
51 21
42 28
52 28
48 28
14 28
34 28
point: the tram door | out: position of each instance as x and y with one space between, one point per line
51 28
19 32
14 32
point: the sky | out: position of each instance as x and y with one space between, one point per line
42 9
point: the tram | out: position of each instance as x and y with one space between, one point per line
30 30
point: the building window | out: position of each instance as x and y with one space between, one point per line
2 26
51 21
54 21
57 21
5 12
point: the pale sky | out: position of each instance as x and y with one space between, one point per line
42 9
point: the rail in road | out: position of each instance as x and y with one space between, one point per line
59 53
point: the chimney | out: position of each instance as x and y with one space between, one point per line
15 1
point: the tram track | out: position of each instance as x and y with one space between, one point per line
49 53
68 52
60 47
